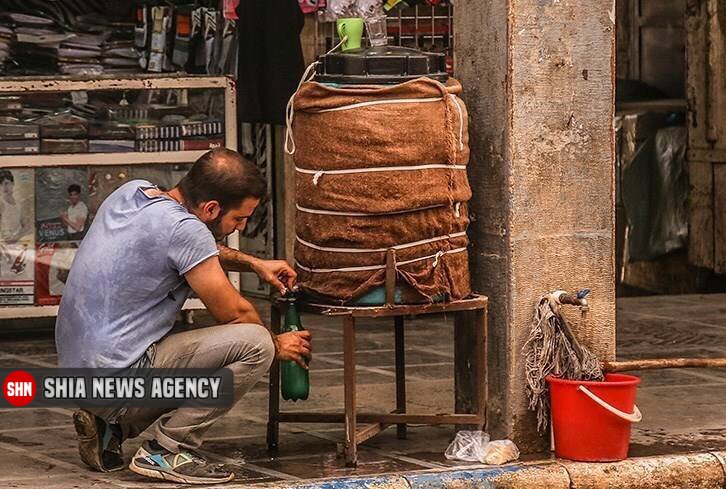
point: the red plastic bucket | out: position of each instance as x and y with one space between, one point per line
591 420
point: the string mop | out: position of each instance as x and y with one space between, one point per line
553 349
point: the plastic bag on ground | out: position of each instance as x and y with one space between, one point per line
467 446
474 446
500 452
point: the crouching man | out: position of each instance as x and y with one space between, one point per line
144 254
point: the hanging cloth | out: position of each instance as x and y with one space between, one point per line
270 58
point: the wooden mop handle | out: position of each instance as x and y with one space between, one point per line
657 363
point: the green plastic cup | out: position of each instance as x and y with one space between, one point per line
352 28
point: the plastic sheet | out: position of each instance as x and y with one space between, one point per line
655 195
338 9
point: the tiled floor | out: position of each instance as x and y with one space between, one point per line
683 408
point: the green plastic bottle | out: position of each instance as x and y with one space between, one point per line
295 379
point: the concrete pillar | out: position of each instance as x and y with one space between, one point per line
538 79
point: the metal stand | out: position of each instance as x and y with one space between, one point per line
375 423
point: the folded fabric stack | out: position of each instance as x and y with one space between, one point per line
7 38
16 136
81 54
35 49
118 53
63 133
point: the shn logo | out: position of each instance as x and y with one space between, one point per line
19 388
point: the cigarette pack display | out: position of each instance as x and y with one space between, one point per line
19 147
155 145
19 130
52 264
57 146
17 244
187 129
61 210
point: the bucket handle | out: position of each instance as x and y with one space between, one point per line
635 417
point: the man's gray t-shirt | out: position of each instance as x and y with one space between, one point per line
126 284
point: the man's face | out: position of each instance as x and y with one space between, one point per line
74 197
6 187
234 219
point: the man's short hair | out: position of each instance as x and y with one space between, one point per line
225 176
6 175
74 188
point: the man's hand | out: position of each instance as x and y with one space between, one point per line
294 346
277 273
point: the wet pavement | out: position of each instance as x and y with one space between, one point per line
683 409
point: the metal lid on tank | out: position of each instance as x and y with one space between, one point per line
381 65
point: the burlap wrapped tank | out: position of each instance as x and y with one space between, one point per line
380 167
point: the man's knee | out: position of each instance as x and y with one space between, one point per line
256 345
266 346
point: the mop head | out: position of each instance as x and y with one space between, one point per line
552 349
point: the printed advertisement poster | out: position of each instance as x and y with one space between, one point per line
53 262
61 204
17 239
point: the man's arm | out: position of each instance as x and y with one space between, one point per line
75 225
235 261
277 273
217 293
211 285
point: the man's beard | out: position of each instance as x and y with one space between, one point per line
215 226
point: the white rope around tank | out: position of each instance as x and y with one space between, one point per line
433 166
435 257
380 250
461 121
290 107
381 102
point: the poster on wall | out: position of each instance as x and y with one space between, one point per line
61 204
17 237
52 265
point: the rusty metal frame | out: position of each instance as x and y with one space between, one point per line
414 15
377 422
